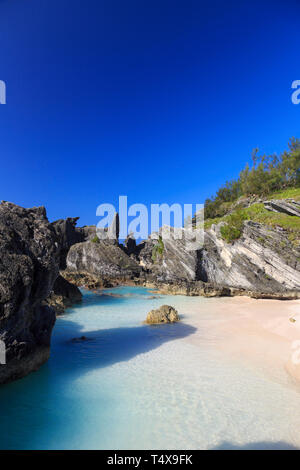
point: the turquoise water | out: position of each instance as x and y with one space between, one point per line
133 386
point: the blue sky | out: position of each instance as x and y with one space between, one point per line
161 101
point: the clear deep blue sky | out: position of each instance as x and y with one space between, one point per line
159 100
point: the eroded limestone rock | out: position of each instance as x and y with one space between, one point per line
164 314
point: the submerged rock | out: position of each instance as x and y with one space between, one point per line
164 314
79 340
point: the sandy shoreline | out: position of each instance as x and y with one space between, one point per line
258 331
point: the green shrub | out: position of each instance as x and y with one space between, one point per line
95 239
230 233
268 176
233 228
158 250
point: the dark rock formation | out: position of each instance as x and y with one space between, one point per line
130 246
144 252
164 314
29 265
79 340
68 235
288 206
63 295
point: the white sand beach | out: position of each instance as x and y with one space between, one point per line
262 332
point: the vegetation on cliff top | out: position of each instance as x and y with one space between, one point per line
158 250
233 227
269 177
95 239
274 175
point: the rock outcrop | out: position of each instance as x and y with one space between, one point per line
89 232
69 235
263 263
191 288
88 280
170 258
263 260
164 314
130 246
63 295
288 206
29 266
101 258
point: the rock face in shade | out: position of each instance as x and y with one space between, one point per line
68 235
110 234
164 314
63 295
29 266
130 245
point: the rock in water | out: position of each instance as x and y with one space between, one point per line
164 314
29 265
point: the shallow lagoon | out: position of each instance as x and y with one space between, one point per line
133 386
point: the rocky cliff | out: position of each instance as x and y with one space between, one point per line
29 266
169 259
102 258
263 259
